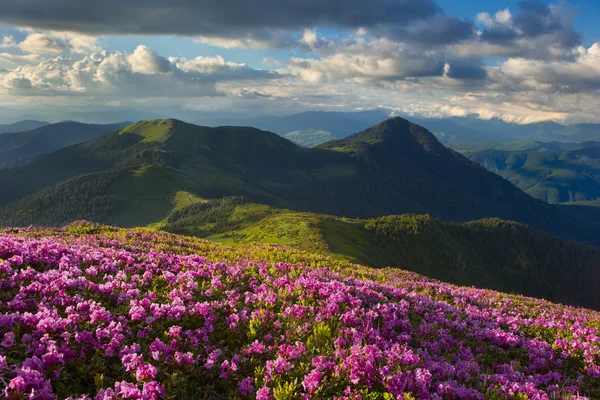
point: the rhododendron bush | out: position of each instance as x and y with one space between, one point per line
94 312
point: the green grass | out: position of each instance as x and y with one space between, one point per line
151 131
491 253
148 194
245 223
350 239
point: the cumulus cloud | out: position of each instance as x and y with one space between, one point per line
216 67
145 61
579 75
362 68
78 43
366 60
47 43
140 74
40 43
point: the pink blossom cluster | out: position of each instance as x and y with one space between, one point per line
137 316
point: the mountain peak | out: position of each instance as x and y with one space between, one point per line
399 134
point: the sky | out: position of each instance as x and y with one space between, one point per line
520 61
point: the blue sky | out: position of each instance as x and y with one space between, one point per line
522 61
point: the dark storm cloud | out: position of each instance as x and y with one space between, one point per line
210 17
467 70
440 30
499 35
536 18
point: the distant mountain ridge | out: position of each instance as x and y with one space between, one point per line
21 148
523 145
20 126
463 129
449 130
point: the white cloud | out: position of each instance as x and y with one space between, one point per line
78 43
139 75
310 38
204 64
40 43
145 61
580 75
502 17
378 60
20 59
271 61
217 67
8 41
229 43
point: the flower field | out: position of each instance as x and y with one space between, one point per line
98 312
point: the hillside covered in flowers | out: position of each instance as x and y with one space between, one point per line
97 312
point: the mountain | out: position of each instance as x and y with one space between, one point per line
21 148
25 125
309 138
339 124
437 180
551 176
132 177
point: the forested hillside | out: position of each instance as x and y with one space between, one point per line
551 176
395 167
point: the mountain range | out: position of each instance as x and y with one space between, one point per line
23 147
467 129
450 130
130 177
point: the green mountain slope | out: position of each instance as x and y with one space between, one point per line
488 253
394 167
21 148
551 176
